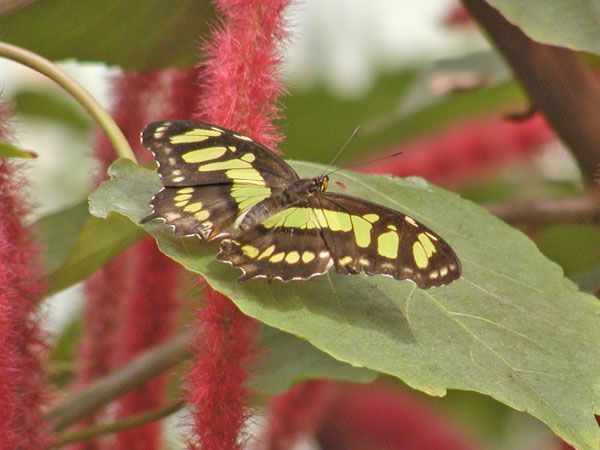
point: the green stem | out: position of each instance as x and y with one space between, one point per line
135 373
8 7
114 427
52 71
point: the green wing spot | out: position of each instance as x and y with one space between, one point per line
338 221
250 251
226 165
187 139
247 175
248 195
193 207
387 245
292 257
307 257
362 231
427 244
420 255
291 218
204 154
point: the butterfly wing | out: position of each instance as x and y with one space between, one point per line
191 153
366 237
210 175
351 234
289 245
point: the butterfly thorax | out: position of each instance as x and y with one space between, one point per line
296 193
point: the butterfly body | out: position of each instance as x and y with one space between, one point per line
218 184
297 192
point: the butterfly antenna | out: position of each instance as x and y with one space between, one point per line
364 163
337 155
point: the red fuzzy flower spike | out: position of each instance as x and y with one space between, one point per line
239 83
238 89
295 413
149 306
181 98
22 347
148 318
386 418
458 16
466 151
215 385
106 289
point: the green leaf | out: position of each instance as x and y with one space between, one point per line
50 104
566 23
134 34
57 233
511 327
12 151
383 121
76 244
285 359
574 247
62 354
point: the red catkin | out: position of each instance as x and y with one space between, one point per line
149 311
215 384
106 289
182 94
239 82
458 16
466 151
238 90
384 418
148 318
22 346
149 306
296 413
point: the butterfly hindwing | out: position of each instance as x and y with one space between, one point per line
351 234
287 246
210 175
367 237
207 211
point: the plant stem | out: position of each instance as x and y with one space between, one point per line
52 71
555 79
114 427
7 7
582 209
146 366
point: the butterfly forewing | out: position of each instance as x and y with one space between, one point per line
194 154
210 175
367 237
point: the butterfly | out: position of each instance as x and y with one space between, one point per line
219 184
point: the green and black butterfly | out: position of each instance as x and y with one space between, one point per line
219 184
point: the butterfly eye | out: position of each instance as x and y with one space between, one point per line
325 183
